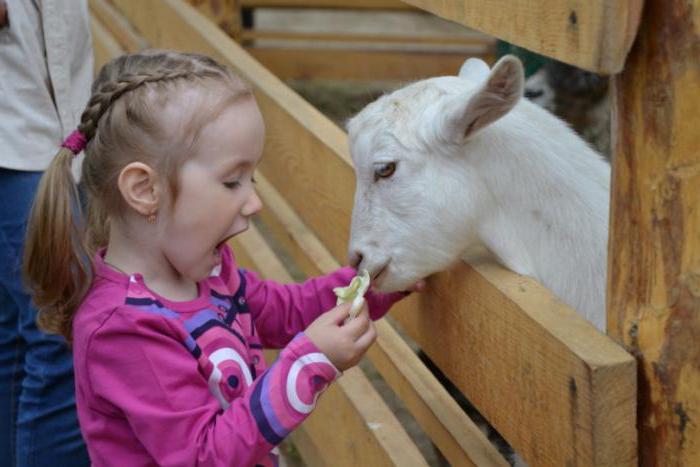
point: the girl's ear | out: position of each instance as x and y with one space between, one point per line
140 187
500 92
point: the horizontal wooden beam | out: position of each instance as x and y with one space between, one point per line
346 4
368 65
594 35
371 434
475 39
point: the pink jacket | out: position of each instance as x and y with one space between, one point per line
185 383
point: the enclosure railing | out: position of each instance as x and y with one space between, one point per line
291 52
558 390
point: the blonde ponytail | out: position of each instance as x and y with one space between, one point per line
57 264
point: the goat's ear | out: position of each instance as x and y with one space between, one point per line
495 98
475 70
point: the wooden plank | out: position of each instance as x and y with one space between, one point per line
475 39
460 441
120 29
306 158
105 46
558 390
354 4
595 35
654 248
370 435
348 64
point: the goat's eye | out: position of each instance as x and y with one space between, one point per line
385 170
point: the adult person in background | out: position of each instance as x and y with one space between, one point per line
46 68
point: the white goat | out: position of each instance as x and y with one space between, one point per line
449 166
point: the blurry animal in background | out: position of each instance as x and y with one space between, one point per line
578 97
450 166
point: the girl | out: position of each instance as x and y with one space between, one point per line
167 331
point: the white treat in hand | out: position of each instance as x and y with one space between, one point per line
354 293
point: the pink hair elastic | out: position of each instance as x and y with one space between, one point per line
75 142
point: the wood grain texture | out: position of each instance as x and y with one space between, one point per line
654 248
349 4
105 46
363 65
118 27
594 35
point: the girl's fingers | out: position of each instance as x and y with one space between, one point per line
357 326
338 314
365 340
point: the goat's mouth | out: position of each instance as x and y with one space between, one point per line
377 276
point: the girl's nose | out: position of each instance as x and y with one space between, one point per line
252 205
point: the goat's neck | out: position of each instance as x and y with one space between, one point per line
549 194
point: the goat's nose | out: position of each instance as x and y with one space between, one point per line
356 258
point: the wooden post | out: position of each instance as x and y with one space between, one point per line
654 250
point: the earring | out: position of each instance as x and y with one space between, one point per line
151 217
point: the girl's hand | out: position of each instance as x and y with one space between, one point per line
343 344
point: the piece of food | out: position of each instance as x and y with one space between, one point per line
354 293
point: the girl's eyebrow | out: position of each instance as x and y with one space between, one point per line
234 165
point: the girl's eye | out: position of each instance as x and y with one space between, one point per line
232 185
385 170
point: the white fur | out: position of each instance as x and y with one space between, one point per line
520 184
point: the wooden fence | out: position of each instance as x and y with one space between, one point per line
559 391
291 53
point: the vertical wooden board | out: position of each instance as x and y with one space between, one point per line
654 248
594 35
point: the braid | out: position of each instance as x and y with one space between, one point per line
110 91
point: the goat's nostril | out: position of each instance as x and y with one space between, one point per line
355 259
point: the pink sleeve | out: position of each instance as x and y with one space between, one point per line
282 311
140 369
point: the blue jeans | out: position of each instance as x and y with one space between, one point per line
38 419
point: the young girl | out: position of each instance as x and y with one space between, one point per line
167 332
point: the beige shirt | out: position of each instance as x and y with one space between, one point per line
46 68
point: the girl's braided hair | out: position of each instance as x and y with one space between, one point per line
122 122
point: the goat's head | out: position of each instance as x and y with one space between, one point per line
417 197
